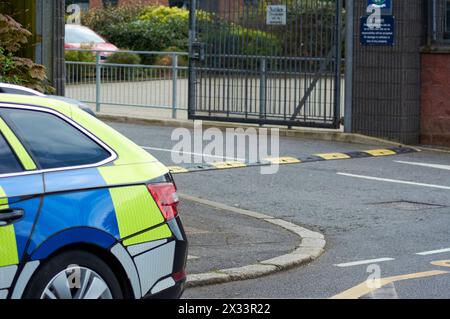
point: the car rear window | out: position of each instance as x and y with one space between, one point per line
8 160
81 35
51 141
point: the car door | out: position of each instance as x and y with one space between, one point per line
21 187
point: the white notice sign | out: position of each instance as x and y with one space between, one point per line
276 15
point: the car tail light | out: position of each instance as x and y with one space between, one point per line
177 276
165 196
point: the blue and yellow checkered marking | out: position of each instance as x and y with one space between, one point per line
93 198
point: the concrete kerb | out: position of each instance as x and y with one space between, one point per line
316 134
311 247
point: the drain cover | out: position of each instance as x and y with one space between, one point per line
407 205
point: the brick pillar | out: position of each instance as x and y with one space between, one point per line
435 115
95 3
386 83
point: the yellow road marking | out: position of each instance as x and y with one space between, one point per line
441 263
230 164
380 152
364 288
177 169
282 160
333 156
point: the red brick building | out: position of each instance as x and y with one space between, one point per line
217 5
86 4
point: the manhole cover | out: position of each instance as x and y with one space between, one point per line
407 205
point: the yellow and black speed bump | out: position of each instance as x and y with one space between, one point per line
291 160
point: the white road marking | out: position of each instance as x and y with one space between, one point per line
439 166
191 153
364 262
432 252
394 181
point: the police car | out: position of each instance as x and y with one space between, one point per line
84 212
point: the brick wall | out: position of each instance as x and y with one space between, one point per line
435 105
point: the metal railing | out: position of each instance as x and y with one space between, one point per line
158 83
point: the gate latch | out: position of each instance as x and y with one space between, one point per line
198 51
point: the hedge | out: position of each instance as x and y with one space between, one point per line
157 28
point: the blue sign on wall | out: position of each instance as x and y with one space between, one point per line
378 35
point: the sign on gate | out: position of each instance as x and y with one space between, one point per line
382 35
276 15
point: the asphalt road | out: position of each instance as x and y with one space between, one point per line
403 212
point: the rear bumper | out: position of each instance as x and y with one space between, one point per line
179 264
174 292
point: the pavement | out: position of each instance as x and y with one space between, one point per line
237 244
221 239
383 217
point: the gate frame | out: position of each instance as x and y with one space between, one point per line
196 52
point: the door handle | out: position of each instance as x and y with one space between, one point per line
7 216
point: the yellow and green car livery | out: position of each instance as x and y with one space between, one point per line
72 189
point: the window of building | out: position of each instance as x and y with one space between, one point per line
109 3
51 141
447 20
438 21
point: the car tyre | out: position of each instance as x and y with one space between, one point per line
65 264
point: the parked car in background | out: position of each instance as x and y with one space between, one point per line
21 90
78 35
17 89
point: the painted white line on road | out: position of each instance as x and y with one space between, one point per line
432 252
191 153
394 181
439 166
364 262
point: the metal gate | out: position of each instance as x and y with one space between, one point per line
266 61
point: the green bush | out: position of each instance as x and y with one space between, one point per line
166 60
124 58
79 56
149 28
142 36
73 71
115 73
161 28
163 14
101 19
233 40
